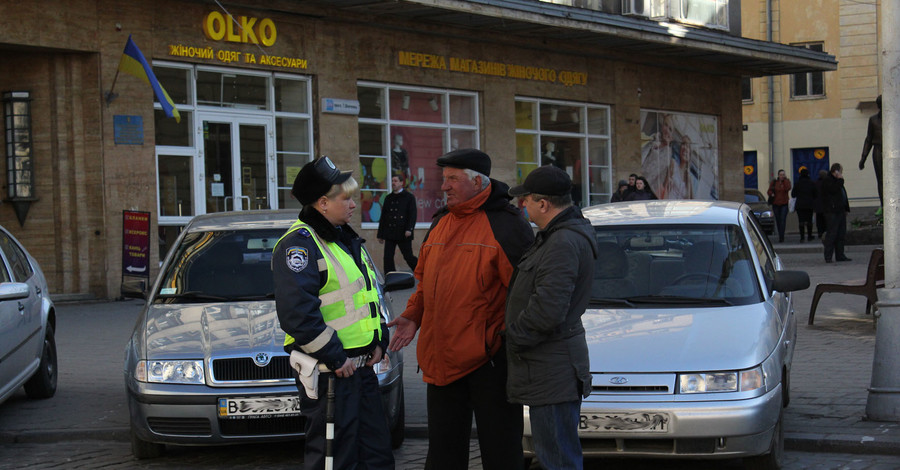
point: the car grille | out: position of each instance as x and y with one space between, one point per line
180 426
649 446
240 369
262 426
626 389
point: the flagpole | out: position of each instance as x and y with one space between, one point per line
110 96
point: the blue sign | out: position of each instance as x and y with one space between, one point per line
128 130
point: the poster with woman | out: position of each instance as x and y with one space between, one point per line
679 154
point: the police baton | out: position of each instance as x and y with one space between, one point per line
329 419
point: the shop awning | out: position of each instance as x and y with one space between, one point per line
593 33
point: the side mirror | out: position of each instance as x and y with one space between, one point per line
134 289
790 281
14 290
398 280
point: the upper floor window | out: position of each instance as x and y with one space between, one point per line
746 90
808 85
709 13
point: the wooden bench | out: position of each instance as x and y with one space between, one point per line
874 280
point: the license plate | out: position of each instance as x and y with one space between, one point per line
259 407
643 422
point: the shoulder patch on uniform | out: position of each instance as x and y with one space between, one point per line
304 233
297 258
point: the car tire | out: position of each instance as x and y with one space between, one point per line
772 459
43 383
144 449
398 430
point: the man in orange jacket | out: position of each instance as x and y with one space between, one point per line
465 265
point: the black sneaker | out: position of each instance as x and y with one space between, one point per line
844 259
829 261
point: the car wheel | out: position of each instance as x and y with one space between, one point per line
43 383
398 431
772 459
145 450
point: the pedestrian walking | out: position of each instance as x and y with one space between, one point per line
316 264
549 369
819 205
779 192
465 264
398 220
805 193
836 207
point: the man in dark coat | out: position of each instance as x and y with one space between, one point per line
805 193
549 369
836 208
398 219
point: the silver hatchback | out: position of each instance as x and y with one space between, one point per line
691 332
205 363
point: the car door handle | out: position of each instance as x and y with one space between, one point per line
21 307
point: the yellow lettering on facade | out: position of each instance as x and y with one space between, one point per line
418 59
246 30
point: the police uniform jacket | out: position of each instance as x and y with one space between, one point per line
397 216
549 292
297 288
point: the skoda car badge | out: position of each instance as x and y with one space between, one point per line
261 359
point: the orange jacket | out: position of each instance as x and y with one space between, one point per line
465 265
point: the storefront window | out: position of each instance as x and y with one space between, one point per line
403 130
174 173
572 136
680 154
232 90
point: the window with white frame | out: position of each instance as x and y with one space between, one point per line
708 13
572 136
808 85
402 131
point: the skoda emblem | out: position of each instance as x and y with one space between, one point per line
618 381
261 359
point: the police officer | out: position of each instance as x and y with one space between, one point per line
327 304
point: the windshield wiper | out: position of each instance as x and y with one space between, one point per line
270 295
610 300
677 299
195 295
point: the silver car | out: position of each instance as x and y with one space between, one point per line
205 363
691 331
27 324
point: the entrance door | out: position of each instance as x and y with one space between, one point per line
237 170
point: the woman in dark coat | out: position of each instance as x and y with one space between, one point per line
642 191
805 192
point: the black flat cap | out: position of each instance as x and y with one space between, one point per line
471 159
316 178
547 180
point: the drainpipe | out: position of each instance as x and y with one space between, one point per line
771 99
883 403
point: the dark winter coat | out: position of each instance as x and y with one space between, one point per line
835 200
397 216
805 192
550 289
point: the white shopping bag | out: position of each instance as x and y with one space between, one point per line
308 370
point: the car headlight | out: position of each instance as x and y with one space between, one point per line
766 214
712 382
173 372
383 366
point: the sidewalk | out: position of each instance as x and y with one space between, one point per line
832 370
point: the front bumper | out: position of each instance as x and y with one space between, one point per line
701 429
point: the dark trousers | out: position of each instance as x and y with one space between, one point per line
877 164
821 223
362 438
804 216
405 250
834 238
781 212
500 427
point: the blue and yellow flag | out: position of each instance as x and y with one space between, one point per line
134 63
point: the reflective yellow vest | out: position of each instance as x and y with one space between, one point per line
345 298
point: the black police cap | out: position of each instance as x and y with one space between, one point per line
316 178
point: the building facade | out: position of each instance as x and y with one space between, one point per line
601 89
814 119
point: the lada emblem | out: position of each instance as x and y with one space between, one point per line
261 359
618 380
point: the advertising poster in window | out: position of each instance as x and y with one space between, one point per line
680 154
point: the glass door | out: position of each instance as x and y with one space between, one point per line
236 169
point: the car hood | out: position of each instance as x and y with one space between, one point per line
189 331
681 340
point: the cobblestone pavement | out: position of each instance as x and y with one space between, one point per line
117 455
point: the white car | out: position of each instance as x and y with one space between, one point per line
205 363
691 332
27 324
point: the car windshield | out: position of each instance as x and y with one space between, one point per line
676 265
220 266
750 198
